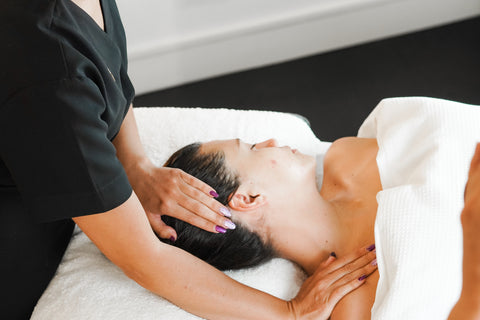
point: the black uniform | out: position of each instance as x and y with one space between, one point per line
63 96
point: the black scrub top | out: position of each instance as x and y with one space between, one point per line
64 94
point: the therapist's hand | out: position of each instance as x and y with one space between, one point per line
165 191
172 192
333 280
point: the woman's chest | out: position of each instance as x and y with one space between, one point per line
350 171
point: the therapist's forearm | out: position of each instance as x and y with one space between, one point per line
200 289
125 237
130 150
180 277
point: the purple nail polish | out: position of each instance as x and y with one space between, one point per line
225 212
214 194
362 278
374 262
172 238
371 248
333 254
220 229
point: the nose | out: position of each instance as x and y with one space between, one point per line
270 143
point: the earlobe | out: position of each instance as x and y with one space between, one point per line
245 202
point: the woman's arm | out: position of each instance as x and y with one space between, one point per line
357 304
126 238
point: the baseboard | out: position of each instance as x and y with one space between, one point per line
327 26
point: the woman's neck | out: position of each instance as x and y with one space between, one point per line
341 217
326 227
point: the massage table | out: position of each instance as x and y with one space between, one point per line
417 221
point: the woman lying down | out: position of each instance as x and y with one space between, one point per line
399 184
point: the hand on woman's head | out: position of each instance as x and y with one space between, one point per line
238 248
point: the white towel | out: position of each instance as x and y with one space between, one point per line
88 286
425 148
423 143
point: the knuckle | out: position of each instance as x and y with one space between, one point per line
174 175
336 293
167 205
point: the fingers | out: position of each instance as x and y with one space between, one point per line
197 184
352 266
344 277
342 290
334 279
160 228
194 203
350 262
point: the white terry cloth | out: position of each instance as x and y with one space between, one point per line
88 286
425 148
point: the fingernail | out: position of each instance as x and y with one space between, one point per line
214 194
172 238
220 229
374 262
362 278
371 248
230 225
225 212
333 254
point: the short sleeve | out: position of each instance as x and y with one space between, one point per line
55 141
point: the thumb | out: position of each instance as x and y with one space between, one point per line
160 228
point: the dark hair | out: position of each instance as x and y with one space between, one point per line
238 248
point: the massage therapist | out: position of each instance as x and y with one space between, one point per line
70 153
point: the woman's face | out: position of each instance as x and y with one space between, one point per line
265 164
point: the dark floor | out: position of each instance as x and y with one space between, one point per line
337 90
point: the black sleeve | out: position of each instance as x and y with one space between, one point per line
54 141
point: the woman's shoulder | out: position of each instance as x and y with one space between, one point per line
357 304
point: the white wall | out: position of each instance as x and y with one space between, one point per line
173 42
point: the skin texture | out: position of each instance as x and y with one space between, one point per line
198 209
126 235
278 198
468 306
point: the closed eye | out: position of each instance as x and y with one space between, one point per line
253 146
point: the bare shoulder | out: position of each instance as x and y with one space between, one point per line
357 304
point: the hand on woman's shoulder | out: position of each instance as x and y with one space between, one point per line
357 304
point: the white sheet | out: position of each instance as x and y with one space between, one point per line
425 148
88 286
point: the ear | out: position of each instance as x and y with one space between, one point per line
244 202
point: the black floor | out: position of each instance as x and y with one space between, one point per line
337 90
